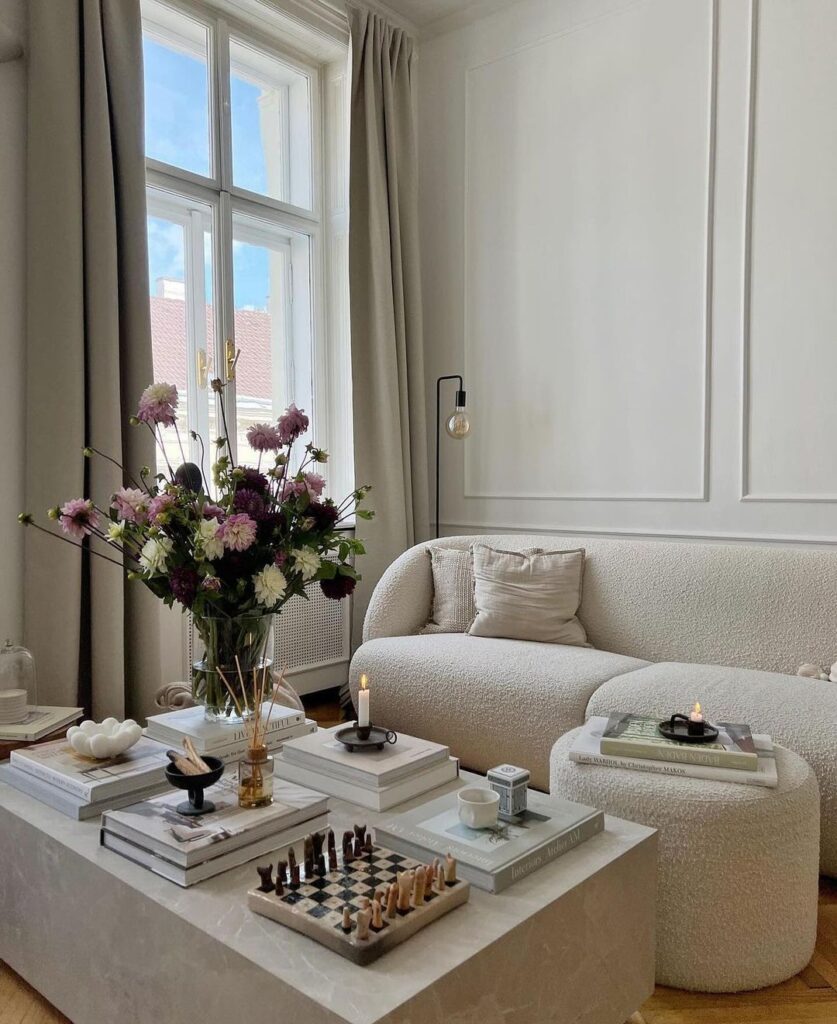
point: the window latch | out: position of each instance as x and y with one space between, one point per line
232 354
202 368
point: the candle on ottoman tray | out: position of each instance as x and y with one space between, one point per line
696 724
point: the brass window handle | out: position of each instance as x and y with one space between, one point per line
202 368
232 354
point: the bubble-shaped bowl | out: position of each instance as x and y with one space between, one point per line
103 740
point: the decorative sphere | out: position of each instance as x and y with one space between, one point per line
189 476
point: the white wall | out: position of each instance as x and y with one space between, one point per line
12 317
629 231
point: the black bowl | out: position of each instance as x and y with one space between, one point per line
196 784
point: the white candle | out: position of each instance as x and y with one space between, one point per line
695 714
363 701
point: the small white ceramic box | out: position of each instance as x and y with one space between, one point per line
512 784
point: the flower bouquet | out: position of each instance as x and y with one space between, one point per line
232 553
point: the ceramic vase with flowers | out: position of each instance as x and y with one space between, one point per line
231 548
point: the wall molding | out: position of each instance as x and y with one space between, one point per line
701 494
746 493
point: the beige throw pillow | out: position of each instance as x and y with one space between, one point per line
453 608
528 595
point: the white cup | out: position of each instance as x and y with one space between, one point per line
478 807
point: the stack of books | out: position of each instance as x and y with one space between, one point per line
188 849
492 858
81 787
633 741
225 740
376 779
40 723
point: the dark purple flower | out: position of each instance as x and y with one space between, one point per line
184 584
280 558
339 587
324 514
253 480
250 502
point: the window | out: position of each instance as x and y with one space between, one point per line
247 228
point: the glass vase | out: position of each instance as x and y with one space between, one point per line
234 647
255 778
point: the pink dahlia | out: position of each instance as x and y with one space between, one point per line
292 423
158 506
131 505
212 511
314 484
157 404
264 437
238 532
78 518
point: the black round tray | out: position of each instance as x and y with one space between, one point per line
370 737
679 731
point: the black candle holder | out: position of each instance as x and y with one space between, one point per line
365 737
195 785
682 729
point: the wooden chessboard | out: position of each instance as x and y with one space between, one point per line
315 908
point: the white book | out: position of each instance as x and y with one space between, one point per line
372 769
154 825
207 736
57 764
235 751
65 802
374 800
491 858
209 868
40 722
586 749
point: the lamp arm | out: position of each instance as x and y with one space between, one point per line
450 376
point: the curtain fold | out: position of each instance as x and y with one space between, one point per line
388 387
94 635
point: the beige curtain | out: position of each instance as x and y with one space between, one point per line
385 287
94 635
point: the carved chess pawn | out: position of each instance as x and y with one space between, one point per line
321 866
291 858
348 836
368 848
266 875
364 917
282 870
330 840
317 839
450 869
332 859
392 900
294 883
418 889
406 880
377 917
280 885
347 919
357 852
430 877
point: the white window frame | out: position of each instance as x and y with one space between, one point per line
330 385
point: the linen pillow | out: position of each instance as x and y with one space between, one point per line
453 608
528 595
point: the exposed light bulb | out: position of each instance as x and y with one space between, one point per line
457 424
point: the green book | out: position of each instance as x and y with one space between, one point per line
638 736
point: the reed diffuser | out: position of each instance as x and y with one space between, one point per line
255 769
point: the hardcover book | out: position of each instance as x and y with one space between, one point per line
639 736
155 825
40 722
173 726
66 803
59 765
372 769
586 749
492 858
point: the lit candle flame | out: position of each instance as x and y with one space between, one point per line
697 708
364 682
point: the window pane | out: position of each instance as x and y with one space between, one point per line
182 319
176 69
271 126
272 323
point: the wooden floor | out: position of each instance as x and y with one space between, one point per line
809 998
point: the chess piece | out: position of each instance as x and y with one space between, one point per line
317 839
377 917
321 866
294 883
282 870
332 859
418 889
348 836
381 896
360 833
330 840
440 879
364 902
392 900
406 880
357 852
291 858
364 917
430 877
280 885
368 848
266 875
308 847
347 920
450 869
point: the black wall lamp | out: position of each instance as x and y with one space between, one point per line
457 425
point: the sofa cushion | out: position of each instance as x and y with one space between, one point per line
801 714
453 607
491 701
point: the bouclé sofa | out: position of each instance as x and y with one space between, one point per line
669 623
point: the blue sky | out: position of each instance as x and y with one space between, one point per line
177 132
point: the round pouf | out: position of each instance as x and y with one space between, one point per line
738 865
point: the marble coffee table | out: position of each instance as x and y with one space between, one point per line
106 940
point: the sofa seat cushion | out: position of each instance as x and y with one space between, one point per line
801 714
491 701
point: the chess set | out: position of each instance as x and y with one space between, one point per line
362 903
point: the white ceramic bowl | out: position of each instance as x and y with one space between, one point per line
478 806
103 739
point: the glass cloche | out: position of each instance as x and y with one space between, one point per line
17 672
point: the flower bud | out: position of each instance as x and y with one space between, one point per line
54 512
87 453
24 518
134 421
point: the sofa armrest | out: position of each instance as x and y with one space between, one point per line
400 603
